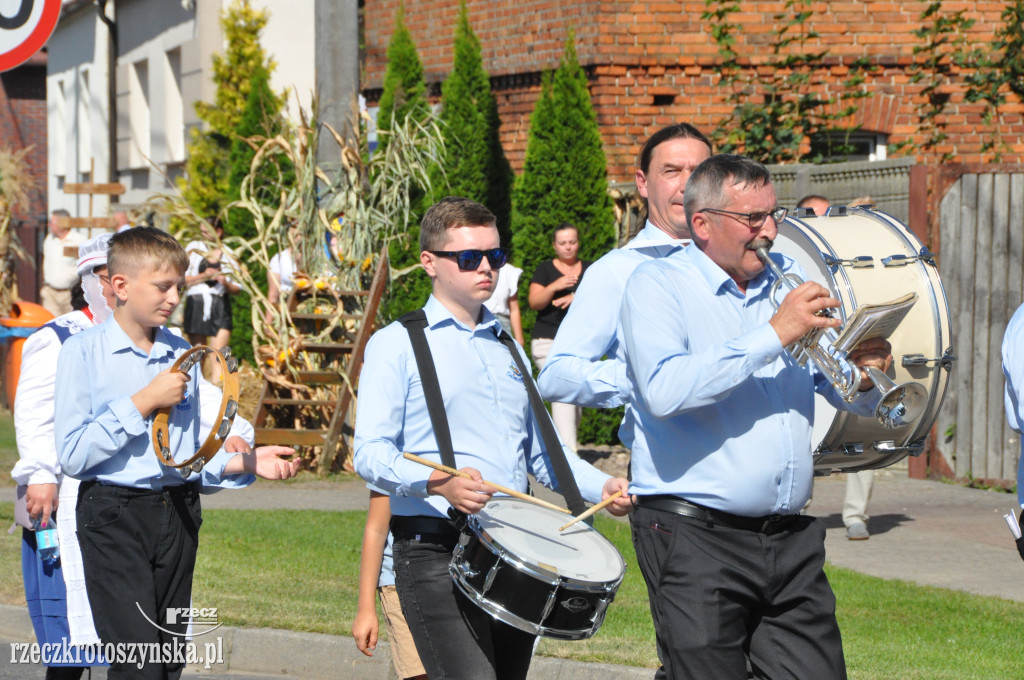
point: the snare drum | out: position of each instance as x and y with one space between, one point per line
512 561
865 256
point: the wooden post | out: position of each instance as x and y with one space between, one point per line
90 189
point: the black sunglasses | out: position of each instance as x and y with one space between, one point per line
469 260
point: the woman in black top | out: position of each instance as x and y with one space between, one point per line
552 288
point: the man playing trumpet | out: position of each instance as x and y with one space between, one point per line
722 459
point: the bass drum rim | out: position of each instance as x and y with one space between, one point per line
835 450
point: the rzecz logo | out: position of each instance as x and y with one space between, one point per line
203 620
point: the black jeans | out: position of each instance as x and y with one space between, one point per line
456 640
718 594
138 553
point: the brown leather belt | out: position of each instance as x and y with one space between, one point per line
766 524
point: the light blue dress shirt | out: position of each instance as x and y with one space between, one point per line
574 372
100 434
723 413
1013 369
489 415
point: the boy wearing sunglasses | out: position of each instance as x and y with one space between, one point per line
494 436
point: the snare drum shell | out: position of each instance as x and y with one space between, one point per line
845 442
527 595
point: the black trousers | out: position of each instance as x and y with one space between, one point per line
719 594
138 554
456 640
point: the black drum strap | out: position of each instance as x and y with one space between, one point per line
414 323
556 454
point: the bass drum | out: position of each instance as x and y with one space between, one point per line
864 256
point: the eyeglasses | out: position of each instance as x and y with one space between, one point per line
755 220
469 260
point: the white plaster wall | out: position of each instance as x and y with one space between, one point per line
140 177
78 46
289 38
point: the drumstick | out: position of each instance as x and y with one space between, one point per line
504 489
600 506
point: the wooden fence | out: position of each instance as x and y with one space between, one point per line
980 224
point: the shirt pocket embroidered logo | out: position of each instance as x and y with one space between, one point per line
515 373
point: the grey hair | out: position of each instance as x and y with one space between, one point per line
706 186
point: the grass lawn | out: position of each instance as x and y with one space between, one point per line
298 570
8 447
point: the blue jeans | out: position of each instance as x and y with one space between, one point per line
456 640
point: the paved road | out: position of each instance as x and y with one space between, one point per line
932 533
925 532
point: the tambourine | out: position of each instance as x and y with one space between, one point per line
225 416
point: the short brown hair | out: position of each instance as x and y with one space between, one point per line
133 248
449 213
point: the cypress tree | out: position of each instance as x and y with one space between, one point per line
565 179
565 176
475 165
404 95
405 89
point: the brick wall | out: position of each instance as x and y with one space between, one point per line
636 50
22 125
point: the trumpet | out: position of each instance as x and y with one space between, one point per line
900 404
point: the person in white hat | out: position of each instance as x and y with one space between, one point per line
68 613
61 587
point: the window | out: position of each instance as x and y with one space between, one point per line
837 146
83 129
138 114
174 108
57 130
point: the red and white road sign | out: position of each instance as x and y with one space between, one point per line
25 26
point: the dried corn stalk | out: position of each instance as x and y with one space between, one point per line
371 191
15 182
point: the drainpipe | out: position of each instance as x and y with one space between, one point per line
101 7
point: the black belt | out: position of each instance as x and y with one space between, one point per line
767 524
188 490
416 524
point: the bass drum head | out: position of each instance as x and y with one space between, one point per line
530 533
863 256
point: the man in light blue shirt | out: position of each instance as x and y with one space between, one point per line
577 370
1013 369
493 433
724 462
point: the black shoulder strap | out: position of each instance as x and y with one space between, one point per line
563 473
414 323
